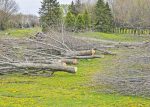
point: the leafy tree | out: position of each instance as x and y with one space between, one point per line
87 20
50 14
80 23
70 21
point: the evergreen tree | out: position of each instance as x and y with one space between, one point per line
78 7
109 18
50 13
72 8
80 23
87 20
100 16
70 21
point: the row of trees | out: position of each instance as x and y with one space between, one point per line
23 21
131 13
79 17
7 9
9 18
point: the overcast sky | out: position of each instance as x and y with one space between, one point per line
32 6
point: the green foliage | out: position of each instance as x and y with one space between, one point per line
87 20
101 21
103 15
100 15
109 19
80 22
70 21
50 14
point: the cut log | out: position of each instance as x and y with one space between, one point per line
53 67
70 61
80 53
87 57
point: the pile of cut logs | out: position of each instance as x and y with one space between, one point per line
51 52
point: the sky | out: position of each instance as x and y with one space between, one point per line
32 6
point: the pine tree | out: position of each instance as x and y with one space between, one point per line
78 7
70 21
80 23
50 13
109 18
100 15
87 20
72 8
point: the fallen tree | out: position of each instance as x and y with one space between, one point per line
37 66
69 61
88 57
80 53
51 52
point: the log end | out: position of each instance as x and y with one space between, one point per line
75 61
75 69
93 52
64 64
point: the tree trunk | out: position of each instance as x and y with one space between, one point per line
53 67
80 53
70 61
87 57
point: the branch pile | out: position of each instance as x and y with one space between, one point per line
49 52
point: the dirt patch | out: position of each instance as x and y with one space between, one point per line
127 74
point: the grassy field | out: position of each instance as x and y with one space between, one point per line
64 90
20 32
116 37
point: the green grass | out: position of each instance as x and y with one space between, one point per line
63 90
20 32
116 37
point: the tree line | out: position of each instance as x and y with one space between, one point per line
9 18
131 16
120 16
78 16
